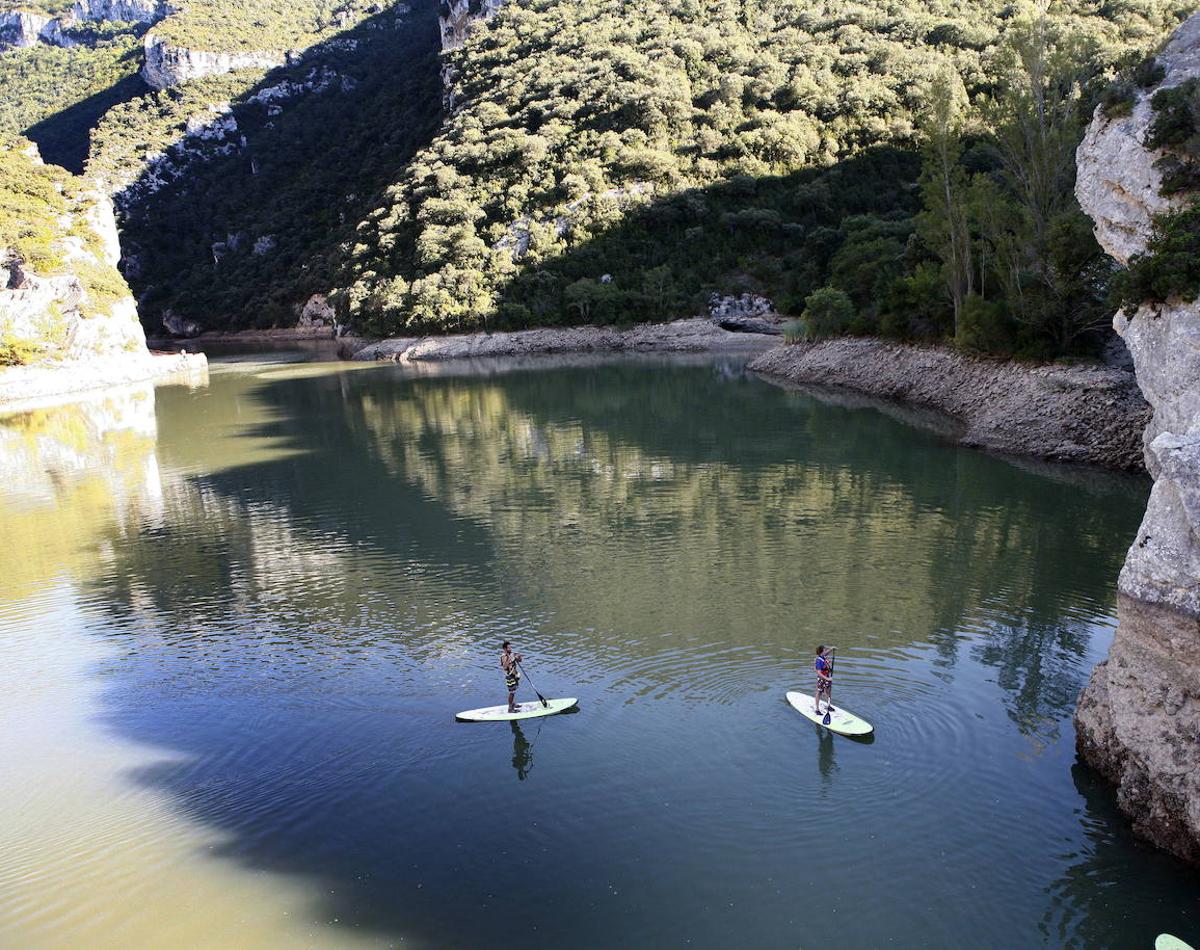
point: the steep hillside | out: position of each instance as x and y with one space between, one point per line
1139 717
568 115
238 193
597 165
62 296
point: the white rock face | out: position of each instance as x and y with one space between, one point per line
1117 183
122 11
459 16
1138 720
1163 565
168 65
20 28
317 312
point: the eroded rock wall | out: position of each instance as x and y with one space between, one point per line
1138 720
168 65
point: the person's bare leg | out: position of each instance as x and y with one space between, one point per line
817 699
511 705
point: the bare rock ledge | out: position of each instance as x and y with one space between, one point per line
1072 413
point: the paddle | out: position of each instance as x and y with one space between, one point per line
829 695
545 704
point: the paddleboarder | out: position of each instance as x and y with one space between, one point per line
512 673
824 670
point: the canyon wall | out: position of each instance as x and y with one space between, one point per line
1138 720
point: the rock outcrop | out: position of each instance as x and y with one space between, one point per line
168 65
1085 414
64 307
457 17
1138 720
21 28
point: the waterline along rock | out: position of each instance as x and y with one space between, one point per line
1138 720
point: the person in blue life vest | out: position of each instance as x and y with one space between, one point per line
512 673
824 669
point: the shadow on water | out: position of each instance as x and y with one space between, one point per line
301 626
1095 884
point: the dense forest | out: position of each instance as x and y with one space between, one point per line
729 146
903 169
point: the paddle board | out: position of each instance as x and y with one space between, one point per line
840 721
525 711
1168 942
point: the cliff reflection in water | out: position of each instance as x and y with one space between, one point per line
629 516
302 572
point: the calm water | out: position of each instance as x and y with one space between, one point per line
236 622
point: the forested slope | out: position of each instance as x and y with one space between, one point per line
701 115
874 167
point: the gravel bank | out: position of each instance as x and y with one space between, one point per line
1072 413
694 335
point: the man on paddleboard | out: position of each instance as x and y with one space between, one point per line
824 678
512 673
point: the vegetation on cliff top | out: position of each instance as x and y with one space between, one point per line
55 95
232 26
43 226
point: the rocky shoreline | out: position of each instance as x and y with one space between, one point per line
1081 413
23 388
694 335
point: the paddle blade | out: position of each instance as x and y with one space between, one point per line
825 721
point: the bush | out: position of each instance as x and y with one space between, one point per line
1175 115
1170 267
828 312
1149 72
1117 99
794 331
18 351
984 326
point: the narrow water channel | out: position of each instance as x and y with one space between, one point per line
236 622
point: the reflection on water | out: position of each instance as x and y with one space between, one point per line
295 576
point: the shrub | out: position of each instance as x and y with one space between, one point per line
1175 116
1117 99
18 351
828 312
984 326
1149 72
1170 267
794 331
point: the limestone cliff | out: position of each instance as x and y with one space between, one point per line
21 28
458 16
169 65
61 296
1138 720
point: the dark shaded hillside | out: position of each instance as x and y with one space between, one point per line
301 180
54 96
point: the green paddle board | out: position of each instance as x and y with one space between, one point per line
1167 942
525 711
841 721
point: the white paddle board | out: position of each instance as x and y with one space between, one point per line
1170 942
524 711
840 721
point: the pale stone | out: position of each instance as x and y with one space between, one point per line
1138 720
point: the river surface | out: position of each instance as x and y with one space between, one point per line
236 622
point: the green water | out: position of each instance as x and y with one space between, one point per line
238 620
